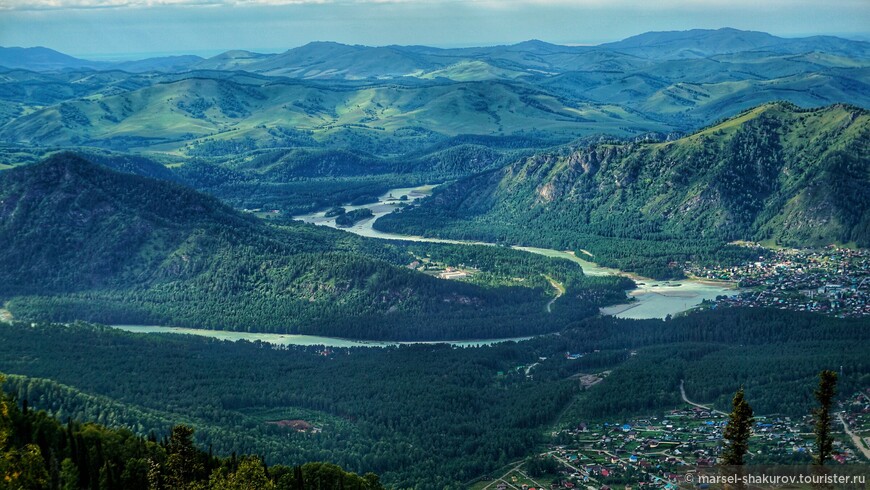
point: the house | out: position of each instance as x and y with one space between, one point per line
452 274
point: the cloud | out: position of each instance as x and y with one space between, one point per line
111 4
93 4
487 4
658 4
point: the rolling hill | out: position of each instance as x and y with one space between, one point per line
42 59
342 61
393 100
702 43
203 111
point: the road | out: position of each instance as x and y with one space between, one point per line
529 368
560 290
503 478
515 468
855 438
683 394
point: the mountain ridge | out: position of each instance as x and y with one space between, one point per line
724 40
798 177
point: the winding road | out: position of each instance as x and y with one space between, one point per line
560 290
683 394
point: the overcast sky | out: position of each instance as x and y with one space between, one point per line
117 27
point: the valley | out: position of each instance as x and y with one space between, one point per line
434 267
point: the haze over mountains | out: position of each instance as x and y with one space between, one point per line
172 192
327 123
654 82
335 60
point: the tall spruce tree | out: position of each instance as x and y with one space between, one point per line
738 431
822 415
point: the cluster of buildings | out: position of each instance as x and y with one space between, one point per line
659 452
832 280
439 270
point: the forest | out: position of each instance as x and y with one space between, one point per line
38 452
88 243
431 415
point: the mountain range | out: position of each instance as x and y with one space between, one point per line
336 60
393 99
169 191
585 141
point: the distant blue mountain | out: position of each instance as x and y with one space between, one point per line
342 61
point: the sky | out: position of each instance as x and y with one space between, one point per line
119 29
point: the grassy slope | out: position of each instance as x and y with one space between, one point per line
174 114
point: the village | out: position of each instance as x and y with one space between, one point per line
663 451
833 281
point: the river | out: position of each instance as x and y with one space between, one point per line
291 339
651 299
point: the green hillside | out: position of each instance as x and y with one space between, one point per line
84 242
216 115
777 172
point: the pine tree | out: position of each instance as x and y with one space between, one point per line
182 463
738 431
822 415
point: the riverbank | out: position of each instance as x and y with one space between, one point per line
651 299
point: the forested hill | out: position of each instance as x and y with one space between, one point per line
70 224
37 451
800 177
82 242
